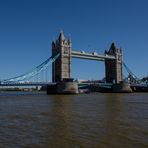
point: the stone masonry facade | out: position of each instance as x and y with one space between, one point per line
61 68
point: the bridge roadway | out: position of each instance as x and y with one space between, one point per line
91 56
50 83
28 84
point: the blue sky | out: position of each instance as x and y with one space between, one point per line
27 28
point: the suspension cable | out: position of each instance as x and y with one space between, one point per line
43 66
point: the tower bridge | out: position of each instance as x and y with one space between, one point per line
62 54
61 68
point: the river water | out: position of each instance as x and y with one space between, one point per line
97 120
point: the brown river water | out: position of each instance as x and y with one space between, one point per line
95 120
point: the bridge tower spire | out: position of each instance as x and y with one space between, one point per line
61 68
113 68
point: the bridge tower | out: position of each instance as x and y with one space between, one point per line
113 68
61 68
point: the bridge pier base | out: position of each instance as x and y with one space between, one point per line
67 88
63 87
121 87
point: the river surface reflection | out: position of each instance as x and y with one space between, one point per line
97 120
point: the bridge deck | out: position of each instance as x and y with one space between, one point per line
27 84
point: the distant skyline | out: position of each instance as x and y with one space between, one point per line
28 27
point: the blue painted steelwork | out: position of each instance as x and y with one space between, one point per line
131 75
28 84
32 73
130 72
